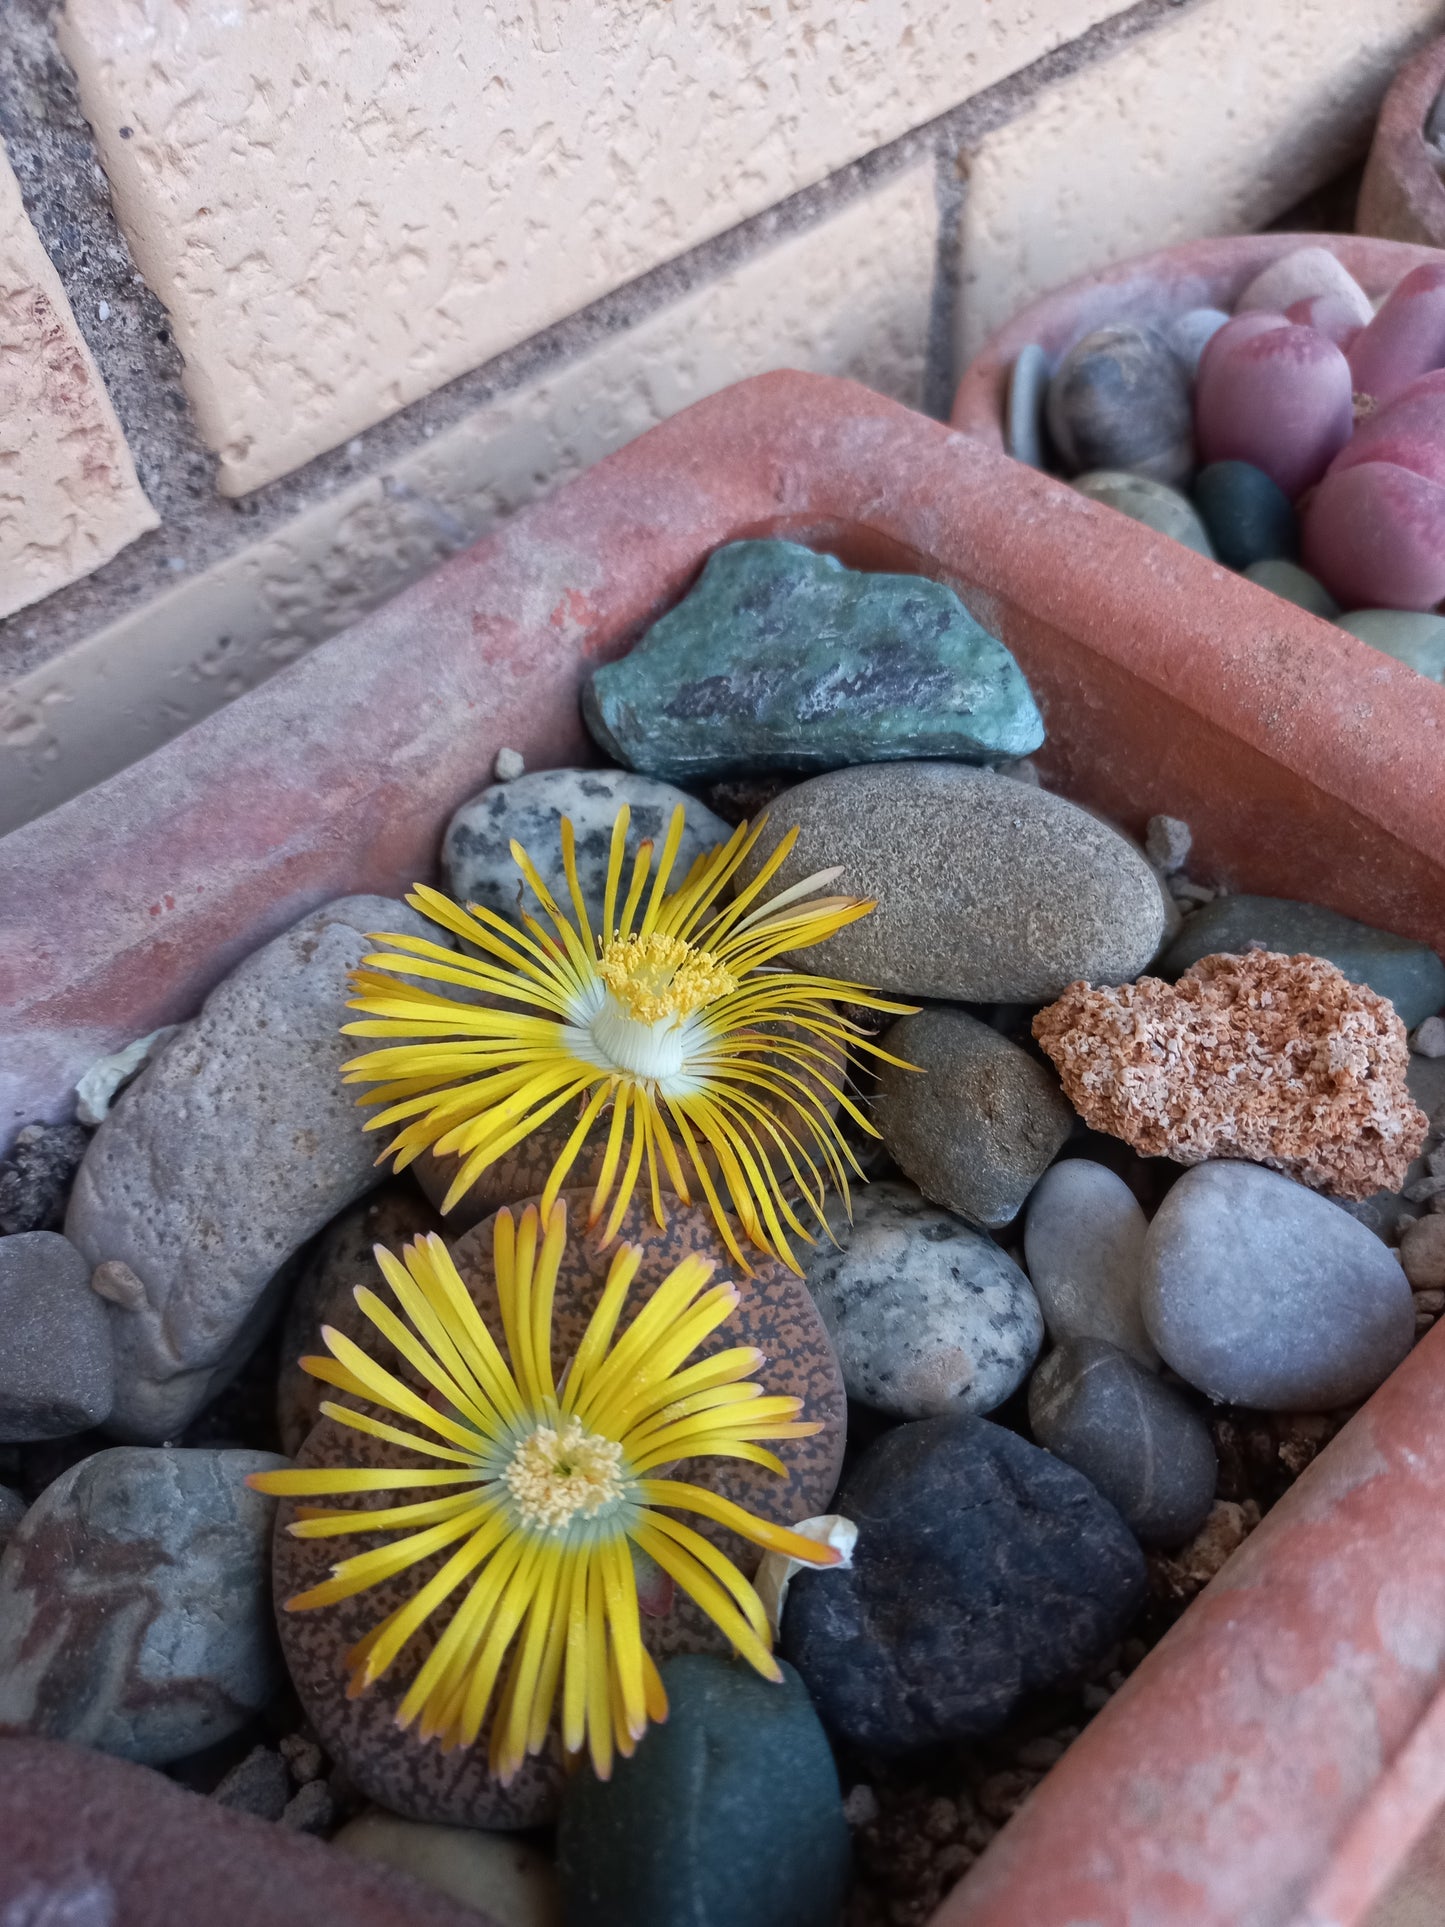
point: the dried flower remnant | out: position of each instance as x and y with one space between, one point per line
673 1013
1278 1060
539 1491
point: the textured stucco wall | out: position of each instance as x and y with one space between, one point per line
69 498
344 203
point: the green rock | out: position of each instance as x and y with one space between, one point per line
729 1815
1408 973
1415 639
783 659
1153 503
1248 515
1294 584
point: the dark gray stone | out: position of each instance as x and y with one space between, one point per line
783 659
35 1179
229 1151
1120 399
57 1374
1248 515
926 1315
985 1570
730 1815
135 1615
1084 1247
1140 1443
988 891
259 1784
1408 973
1262 1293
978 1129
476 852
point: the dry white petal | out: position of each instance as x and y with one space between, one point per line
777 1569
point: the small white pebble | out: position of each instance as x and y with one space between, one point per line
508 766
860 1809
102 311
1429 1038
1167 843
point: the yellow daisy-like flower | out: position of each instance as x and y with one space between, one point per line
660 1014
543 1488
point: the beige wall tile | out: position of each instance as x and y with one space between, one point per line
852 296
1213 123
345 203
69 497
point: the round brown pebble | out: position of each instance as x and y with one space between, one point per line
419 1781
1422 1252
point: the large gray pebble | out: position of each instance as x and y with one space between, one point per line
981 1124
1146 1450
57 1374
1263 1293
225 1156
988 891
1084 1247
135 1614
477 858
926 1315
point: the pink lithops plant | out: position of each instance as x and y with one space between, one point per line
1409 431
1331 315
1277 396
1374 535
1405 340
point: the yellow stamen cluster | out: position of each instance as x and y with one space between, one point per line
556 1477
673 1027
536 1490
658 977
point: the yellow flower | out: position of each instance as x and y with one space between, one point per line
660 1013
541 1489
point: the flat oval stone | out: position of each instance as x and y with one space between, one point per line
978 1129
1138 1441
418 1780
1249 517
1120 399
988 891
730 1815
926 1315
1027 386
57 1374
1153 503
781 658
1408 973
1084 1247
985 1570
236 1145
1262 1293
476 851
1295 585
1418 640
133 1608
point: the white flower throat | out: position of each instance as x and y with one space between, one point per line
639 1016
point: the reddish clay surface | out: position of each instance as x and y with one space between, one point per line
1273 1744
92 1842
1401 196
1306 763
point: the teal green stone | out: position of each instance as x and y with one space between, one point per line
1408 973
1144 500
729 1815
1294 584
780 659
1248 515
1410 637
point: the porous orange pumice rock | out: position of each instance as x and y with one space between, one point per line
1279 1060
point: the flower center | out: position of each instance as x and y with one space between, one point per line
657 977
556 1477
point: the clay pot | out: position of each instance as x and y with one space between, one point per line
1402 195
1287 1723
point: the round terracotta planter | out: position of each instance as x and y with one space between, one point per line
1282 1748
1402 195
1150 289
